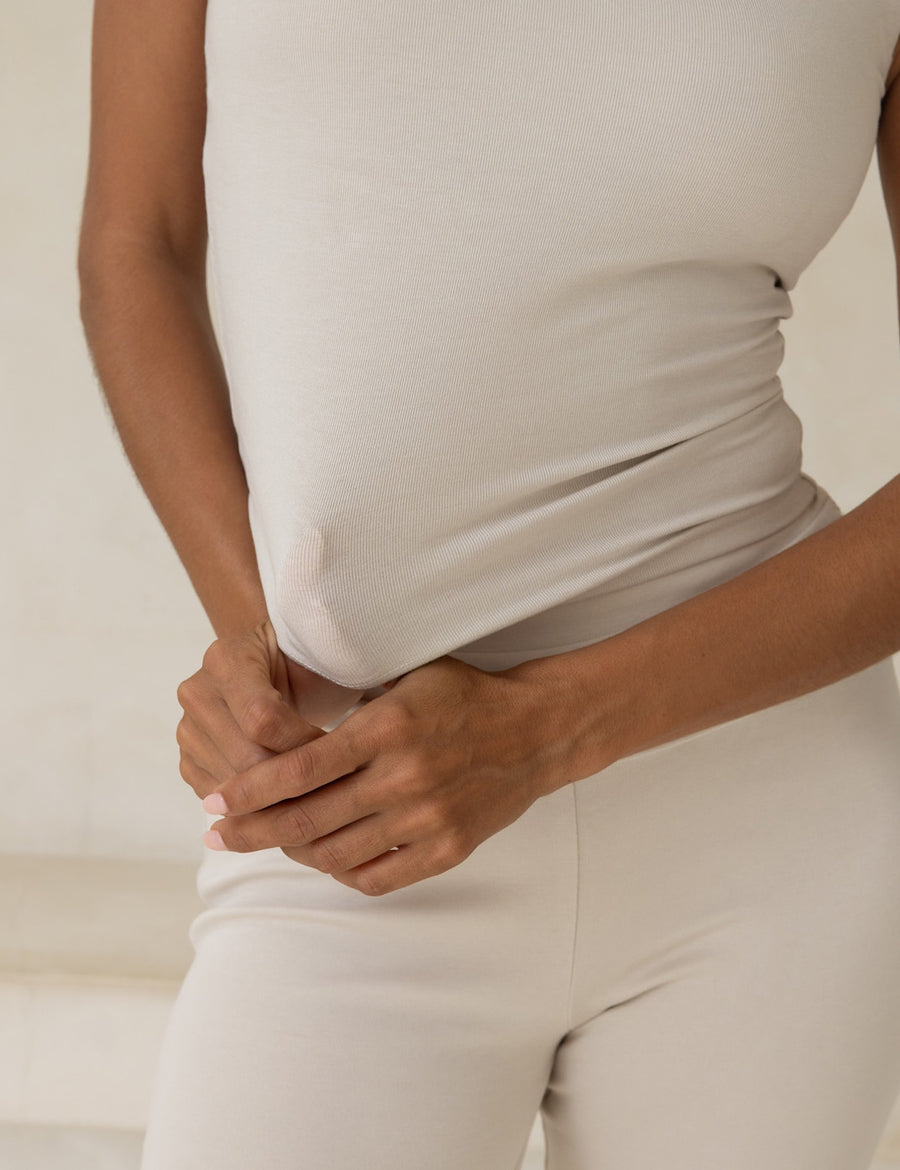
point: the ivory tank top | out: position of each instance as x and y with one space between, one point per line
498 287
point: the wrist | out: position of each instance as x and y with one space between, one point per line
598 702
241 615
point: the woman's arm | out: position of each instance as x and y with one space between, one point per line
142 270
141 264
816 612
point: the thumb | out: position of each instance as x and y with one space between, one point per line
255 701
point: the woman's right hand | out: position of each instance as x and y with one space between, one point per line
248 702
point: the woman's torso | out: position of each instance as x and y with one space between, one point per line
498 289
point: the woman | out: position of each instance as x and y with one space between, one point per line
550 733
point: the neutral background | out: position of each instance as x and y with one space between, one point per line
99 623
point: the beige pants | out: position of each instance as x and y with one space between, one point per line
688 961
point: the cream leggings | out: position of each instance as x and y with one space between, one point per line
688 961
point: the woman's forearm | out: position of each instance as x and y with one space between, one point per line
820 610
147 324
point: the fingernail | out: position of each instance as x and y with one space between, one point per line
215 803
213 840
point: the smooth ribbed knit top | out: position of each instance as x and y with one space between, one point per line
498 288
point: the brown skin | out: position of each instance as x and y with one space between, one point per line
448 755
141 265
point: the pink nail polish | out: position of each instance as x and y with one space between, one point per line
213 840
215 803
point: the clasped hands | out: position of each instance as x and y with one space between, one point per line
404 788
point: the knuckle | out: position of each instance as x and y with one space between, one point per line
327 857
299 823
185 690
236 839
365 738
260 719
247 756
434 816
240 794
371 885
181 735
396 722
451 849
299 768
415 778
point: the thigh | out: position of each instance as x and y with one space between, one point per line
320 1029
736 997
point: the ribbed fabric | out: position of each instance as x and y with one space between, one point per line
498 288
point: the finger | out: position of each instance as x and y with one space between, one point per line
348 847
390 871
328 757
334 806
241 669
300 822
196 745
202 782
412 862
207 713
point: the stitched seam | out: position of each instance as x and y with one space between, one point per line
569 1004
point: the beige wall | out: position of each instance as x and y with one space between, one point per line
99 623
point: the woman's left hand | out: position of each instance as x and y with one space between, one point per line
407 785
